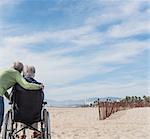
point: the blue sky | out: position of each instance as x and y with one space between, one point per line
80 48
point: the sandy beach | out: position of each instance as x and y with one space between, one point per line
83 123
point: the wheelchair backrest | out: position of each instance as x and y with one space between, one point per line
27 104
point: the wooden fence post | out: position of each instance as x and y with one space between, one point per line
99 109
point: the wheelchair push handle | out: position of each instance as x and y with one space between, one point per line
44 103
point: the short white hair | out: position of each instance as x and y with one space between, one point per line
30 71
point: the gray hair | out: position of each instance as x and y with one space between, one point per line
30 71
18 66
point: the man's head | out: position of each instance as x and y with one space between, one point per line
30 71
18 66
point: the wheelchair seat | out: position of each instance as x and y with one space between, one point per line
27 105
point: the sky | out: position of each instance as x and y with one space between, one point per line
80 48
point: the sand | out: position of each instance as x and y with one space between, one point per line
83 123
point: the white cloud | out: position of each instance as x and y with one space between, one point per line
121 53
131 6
129 28
8 2
57 36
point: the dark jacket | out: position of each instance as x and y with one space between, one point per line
31 80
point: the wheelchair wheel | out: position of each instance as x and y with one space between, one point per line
46 125
8 126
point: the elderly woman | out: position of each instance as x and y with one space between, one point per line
29 74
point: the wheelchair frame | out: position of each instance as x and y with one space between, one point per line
10 126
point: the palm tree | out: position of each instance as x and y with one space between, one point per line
128 98
135 99
140 99
144 97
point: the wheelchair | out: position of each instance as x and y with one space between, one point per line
27 108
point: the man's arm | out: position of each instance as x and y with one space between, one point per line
23 83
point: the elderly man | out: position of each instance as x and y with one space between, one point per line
8 78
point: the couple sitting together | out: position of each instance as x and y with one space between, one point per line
10 77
